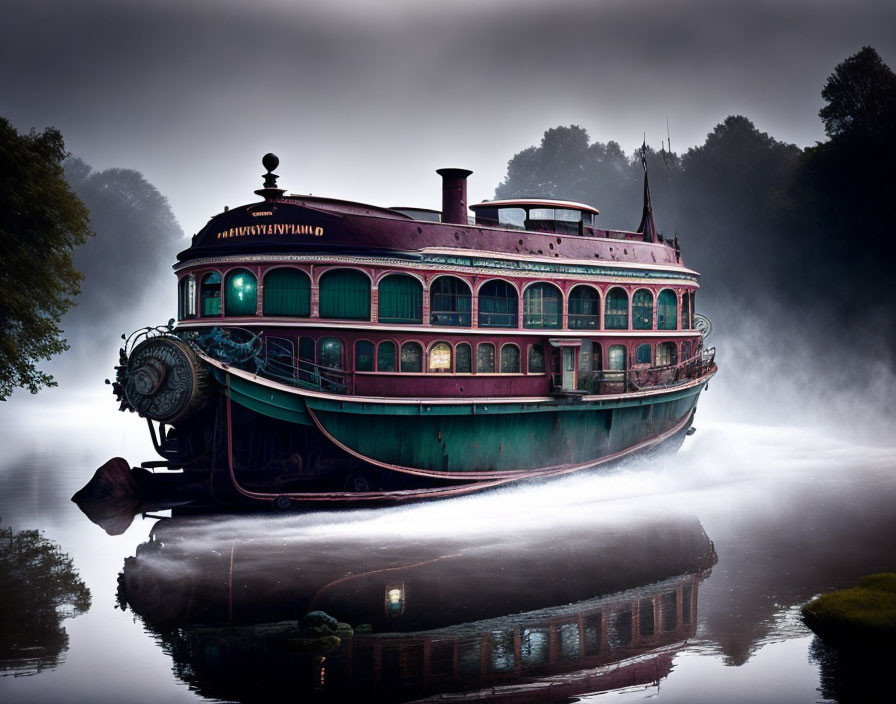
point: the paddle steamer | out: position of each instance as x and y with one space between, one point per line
328 350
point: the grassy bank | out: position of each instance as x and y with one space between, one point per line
867 611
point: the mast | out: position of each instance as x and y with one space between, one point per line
647 226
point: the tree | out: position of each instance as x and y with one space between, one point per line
41 223
861 96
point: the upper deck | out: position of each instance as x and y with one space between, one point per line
532 228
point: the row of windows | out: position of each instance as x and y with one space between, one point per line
345 295
444 357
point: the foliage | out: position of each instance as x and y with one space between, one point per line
40 587
41 224
861 97
867 610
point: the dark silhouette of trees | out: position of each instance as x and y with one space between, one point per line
861 97
40 587
42 222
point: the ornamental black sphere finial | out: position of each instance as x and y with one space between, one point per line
270 162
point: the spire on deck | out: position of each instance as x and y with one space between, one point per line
647 227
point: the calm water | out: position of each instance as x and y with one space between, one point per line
677 580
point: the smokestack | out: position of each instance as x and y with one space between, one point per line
454 195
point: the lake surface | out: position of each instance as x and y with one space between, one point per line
676 579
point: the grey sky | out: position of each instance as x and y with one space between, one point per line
364 100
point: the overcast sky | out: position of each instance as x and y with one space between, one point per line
363 100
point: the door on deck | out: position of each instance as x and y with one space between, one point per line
568 365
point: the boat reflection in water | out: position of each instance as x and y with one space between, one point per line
251 608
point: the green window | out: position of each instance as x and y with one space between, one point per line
642 354
449 301
411 357
542 306
498 305
385 357
210 294
642 310
686 312
485 358
329 352
616 315
536 359
345 294
364 356
510 359
584 308
400 299
666 313
287 292
463 359
241 297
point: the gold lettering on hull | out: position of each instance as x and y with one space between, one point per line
271 229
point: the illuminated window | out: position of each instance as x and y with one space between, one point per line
186 302
666 354
395 597
440 358
241 293
616 358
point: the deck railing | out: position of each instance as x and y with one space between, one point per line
613 381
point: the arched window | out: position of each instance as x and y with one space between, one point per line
329 352
685 312
210 294
616 358
449 301
643 354
485 358
241 297
666 354
385 356
584 309
345 294
363 356
400 299
498 305
463 358
510 359
287 292
542 306
536 359
186 300
642 310
616 314
666 314
411 357
439 358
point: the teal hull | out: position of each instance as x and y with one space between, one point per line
476 440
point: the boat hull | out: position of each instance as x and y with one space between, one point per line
288 443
